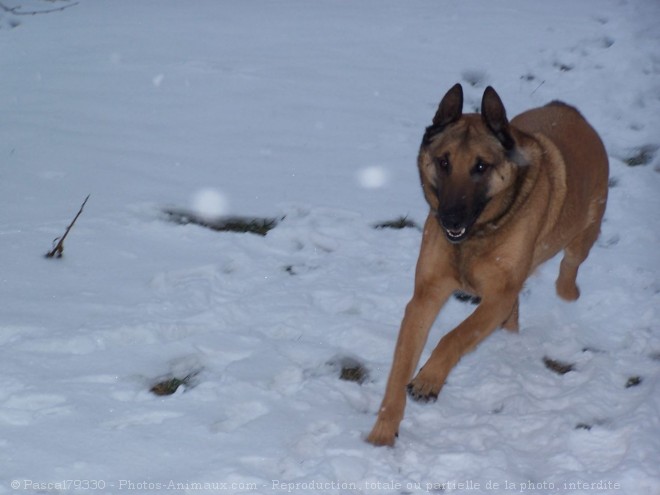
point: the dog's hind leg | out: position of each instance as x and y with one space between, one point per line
574 254
511 323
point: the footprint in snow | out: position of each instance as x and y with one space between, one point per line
25 409
142 419
317 435
239 415
599 450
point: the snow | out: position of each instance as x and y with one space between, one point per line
311 111
372 177
209 203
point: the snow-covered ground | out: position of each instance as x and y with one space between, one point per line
311 111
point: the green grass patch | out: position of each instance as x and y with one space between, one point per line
353 374
240 224
398 223
170 385
641 156
350 369
559 367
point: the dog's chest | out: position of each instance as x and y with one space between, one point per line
482 266
467 264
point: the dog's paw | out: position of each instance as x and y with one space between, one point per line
383 434
567 290
421 391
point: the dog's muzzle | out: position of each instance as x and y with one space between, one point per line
454 224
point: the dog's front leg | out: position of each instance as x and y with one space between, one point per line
420 314
464 338
435 281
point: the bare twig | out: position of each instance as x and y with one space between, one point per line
57 251
537 87
16 10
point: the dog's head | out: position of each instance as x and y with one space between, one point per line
465 161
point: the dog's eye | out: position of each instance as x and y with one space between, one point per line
443 164
480 168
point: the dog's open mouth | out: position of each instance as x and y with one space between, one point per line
456 235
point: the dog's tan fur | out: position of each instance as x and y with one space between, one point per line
544 190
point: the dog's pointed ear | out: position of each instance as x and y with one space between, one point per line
449 111
450 108
494 116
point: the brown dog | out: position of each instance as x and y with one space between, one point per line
504 197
